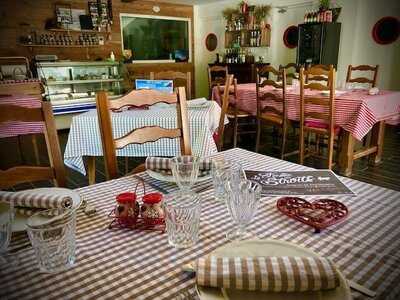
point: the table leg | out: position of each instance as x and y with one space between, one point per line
91 169
377 138
346 154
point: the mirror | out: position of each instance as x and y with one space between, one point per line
290 37
211 42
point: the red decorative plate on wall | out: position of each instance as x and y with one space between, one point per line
386 30
318 214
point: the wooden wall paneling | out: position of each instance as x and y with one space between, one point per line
19 17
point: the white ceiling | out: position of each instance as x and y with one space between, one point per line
191 2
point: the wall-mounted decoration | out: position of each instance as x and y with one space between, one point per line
386 30
290 37
211 42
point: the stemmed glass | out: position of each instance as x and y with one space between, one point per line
185 170
6 219
224 170
242 200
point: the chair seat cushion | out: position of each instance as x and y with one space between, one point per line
322 125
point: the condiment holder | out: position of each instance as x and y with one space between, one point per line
128 213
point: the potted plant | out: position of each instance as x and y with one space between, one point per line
261 12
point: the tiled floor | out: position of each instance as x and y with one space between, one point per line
386 174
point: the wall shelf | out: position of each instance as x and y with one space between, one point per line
77 31
66 82
60 46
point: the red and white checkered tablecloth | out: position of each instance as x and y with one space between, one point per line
356 111
14 128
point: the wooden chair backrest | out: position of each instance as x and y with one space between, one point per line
274 101
318 77
224 107
179 79
214 76
21 174
138 98
366 68
289 74
319 101
34 88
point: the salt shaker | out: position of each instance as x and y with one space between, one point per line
127 210
151 210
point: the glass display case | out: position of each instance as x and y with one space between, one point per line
71 85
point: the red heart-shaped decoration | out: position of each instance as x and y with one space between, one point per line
318 214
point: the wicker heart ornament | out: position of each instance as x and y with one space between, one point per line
319 214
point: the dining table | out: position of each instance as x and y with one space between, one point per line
140 264
84 139
356 112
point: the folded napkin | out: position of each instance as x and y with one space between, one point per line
271 274
373 91
37 199
163 165
197 102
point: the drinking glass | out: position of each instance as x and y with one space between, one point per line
185 170
223 170
242 201
52 234
182 217
6 219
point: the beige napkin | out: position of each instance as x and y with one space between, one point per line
272 274
163 165
36 199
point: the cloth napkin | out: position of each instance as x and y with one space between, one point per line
163 165
272 274
36 199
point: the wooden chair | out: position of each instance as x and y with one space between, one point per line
216 76
34 88
224 111
289 75
317 78
142 135
21 174
179 79
271 107
233 112
363 68
319 120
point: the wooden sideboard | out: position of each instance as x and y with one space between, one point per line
244 73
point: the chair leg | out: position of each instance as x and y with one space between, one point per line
284 133
258 134
235 131
330 152
35 149
126 164
301 147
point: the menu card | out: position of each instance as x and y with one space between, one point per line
297 183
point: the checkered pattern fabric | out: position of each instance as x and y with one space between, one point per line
126 264
272 274
355 111
14 128
36 199
85 139
163 164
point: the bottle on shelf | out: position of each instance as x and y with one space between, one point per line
306 17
